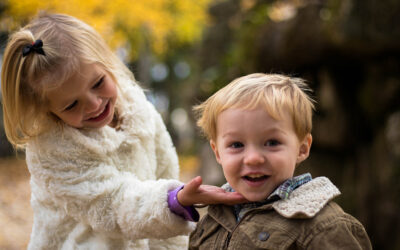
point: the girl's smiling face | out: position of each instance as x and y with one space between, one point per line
257 152
86 100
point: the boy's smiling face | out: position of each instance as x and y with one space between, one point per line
257 152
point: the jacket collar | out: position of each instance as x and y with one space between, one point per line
304 202
281 193
307 200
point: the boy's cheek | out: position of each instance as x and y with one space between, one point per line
227 161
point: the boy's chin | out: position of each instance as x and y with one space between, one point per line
254 197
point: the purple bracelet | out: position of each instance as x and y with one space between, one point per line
187 212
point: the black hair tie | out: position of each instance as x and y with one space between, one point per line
37 47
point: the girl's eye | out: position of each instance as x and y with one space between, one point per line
98 84
71 106
272 143
236 145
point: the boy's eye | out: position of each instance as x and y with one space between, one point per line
236 145
71 106
272 143
98 84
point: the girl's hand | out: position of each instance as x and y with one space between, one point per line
195 193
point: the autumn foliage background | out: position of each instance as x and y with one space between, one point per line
182 51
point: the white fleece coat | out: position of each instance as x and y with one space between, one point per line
107 189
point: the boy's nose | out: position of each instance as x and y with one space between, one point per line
254 157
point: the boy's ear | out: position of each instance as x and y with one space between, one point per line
304 149
215 149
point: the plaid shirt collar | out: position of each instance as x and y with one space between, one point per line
286 188
281 193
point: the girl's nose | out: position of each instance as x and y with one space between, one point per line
93 103
254 157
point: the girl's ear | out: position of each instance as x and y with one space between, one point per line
304 149
215 149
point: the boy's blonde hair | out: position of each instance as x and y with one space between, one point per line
67 43
277 93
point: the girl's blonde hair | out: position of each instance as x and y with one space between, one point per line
67 43
277 93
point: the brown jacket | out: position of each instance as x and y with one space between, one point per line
307 220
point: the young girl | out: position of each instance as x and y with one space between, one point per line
101 160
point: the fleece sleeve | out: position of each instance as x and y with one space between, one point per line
167 160
96 193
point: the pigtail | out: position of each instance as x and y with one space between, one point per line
11 83
17 94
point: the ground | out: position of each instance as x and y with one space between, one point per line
16 214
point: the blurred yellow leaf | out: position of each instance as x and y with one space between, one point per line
123 22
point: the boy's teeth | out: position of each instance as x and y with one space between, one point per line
255 175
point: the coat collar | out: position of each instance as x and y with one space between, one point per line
307 200
304 202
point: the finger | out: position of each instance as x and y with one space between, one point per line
193 184
236 198
230 198
187 191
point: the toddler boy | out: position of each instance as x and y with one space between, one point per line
259 127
